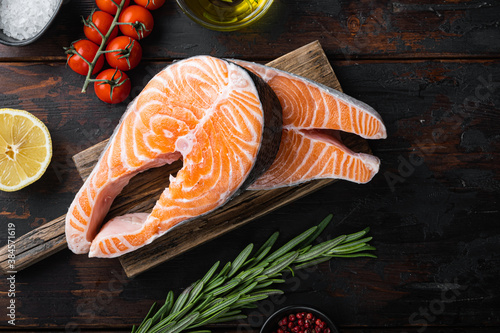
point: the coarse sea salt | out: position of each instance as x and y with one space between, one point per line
23 19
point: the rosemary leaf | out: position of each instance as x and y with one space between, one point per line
228 286
355 242
356 235
145 318
162 326
213 303
321 226
276 275
195 292
181 313
266 247
146 326
164 309
202 306
367 248
215 283
348 247
248 288
169 300
166 328
185 323
282 265
248 300
265 284
181 300
210 272
209 319
357 249
261 278
313 262
250 274
242 286
304 249
268 292
218 316
355 255
232 313
290 245
224 271
223 304
240 259
319 249
228 318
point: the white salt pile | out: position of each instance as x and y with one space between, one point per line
23 19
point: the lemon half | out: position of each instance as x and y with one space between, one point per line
25 149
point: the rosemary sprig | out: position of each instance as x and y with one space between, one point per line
240 284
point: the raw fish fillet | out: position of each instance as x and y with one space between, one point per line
222 120
310 144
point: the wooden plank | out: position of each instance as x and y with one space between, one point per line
34 246
435 230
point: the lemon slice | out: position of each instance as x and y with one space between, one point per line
25 149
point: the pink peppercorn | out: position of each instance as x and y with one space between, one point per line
302 322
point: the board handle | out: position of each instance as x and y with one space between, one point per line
34 246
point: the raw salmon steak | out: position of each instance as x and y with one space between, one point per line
223 122
310 144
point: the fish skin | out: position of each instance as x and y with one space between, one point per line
208 112
313 123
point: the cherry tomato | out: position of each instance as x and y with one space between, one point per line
129 56
140 19
109 7
102 21
150 4
114 88
87 50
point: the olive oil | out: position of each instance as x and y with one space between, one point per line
226 12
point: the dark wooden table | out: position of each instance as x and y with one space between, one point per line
431 69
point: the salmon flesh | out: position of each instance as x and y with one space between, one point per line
223 122
311 148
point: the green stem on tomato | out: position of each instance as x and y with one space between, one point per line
113 83
89 23
139 27
103 43
72 50
125 53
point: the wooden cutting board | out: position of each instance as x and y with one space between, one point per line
143 190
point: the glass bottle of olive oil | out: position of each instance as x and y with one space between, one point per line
225 11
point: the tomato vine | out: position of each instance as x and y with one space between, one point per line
105 38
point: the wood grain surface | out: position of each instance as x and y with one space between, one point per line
431 69
346 29
434 221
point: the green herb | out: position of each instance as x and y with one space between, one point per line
240 284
